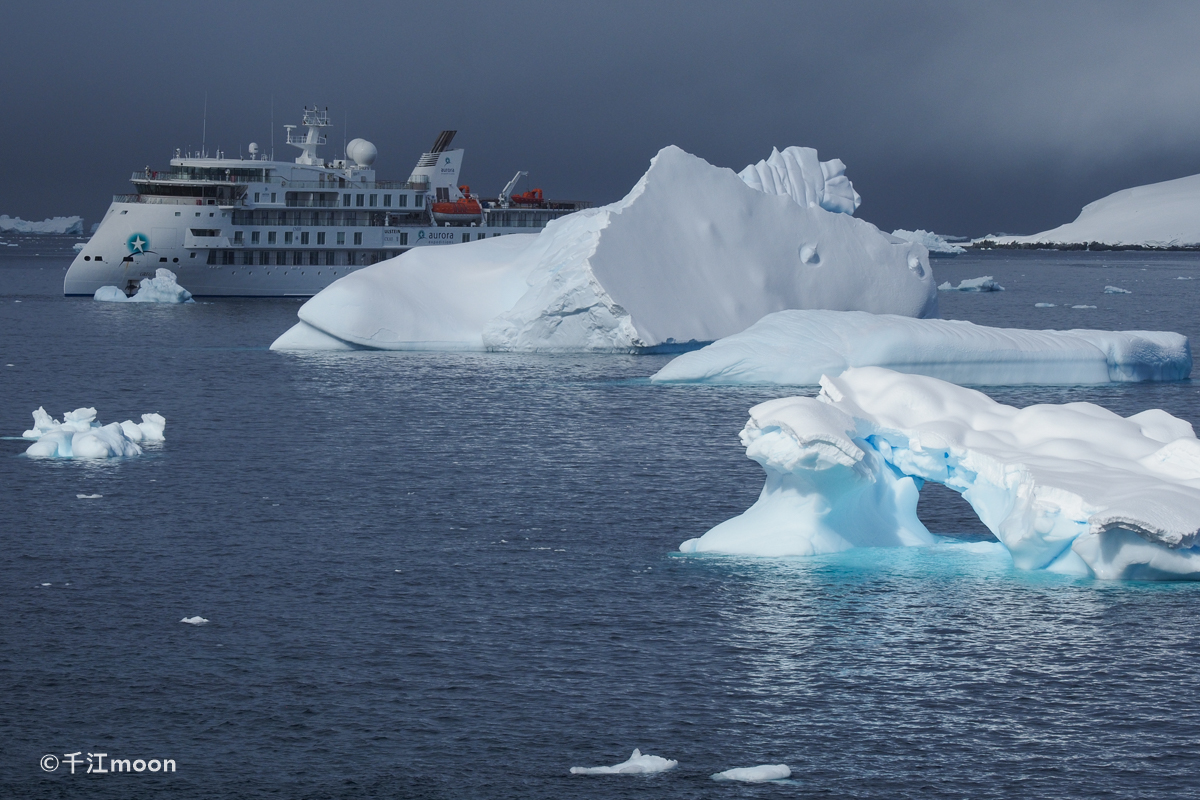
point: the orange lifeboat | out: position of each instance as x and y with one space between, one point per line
466 210
531 198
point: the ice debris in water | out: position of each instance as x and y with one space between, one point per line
88 496
1044 305
1116 290
637 764
1082 306
936 245
984 284
80 436
162 288
1073 488
759 774
691 254
798 347
197 620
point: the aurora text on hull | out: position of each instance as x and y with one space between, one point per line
264 228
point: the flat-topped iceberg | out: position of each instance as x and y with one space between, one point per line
162 288
691 254
797 347
1159 215
1072 488
79 435
936 245
637 764
984 284
53 225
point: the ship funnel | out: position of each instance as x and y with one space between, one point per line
443 141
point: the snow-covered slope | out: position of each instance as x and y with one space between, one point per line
1071 488
798 347
691 254
59 225
1163 215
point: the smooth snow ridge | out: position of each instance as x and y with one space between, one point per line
80 436
936 245
637 764
797 347
1069 488
54 225
162 288
691 254
759 774
1162 215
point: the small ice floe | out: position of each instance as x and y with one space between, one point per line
1081 306
637 764
46 584
1116 290
759 774
984 284
194 621
80 436
1183 278
88 496
162 288
78 246
1043 305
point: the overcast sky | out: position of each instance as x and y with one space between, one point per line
964 118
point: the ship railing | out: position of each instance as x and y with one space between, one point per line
328 185
176 201
308 203
183 177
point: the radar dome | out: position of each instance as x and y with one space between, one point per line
253 149
362 152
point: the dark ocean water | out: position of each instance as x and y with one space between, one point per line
447 576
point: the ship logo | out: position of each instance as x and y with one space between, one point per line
447 159
137 243
420 234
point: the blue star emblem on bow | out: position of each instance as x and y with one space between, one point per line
138 243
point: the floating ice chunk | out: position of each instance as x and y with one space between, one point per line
984 284
80 436
1044 305
1116 290
1068 488
1082 306
798 347
691 254
936 245
637 764
162 288
194 620
88 496
759 774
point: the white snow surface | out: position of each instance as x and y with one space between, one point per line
637 764
984 284
691 254
797 347
935 244
798 173
162 288
1163 214
79 435
54 225
1069 488
759 774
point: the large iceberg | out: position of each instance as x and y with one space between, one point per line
79 435
936 245
797 347
1159 215
1071 488
54 225
162 288
691 254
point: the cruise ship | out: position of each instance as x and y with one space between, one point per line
256 227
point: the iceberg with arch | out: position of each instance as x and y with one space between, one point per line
798 347
693 253
1073 489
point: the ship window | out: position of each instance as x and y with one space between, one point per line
256 195
304 237
374 201
297 258
247 256
87 258
358 237
402 201
176 260
162 260
237 237
197 213
264 257
346 200
443 194
209 213
177 213
314 257
387 201
329 258
281 257
466 237
341 237
226 256
212 256
125 211
479 236
418 200
320 237
254 237
272 237
287 237
192 254
404 238
358 201
272 197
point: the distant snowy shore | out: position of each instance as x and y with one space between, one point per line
72 226
1158 216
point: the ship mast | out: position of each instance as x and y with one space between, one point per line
314 121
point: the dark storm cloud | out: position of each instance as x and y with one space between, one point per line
960 117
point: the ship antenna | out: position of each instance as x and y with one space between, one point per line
272 127
204 127
345 132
